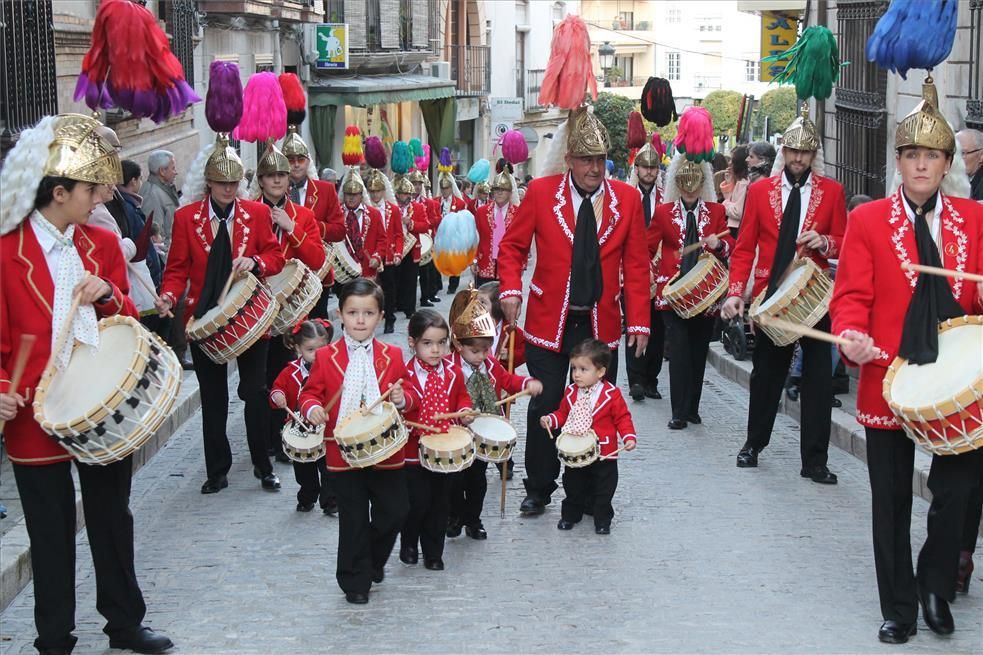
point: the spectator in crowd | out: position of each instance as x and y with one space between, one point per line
856 200
144 267
719 163
971 144
329 175
760 159
160 194
735 187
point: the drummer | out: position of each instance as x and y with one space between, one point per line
472 335
48 255
492 219
430 280
381 197
885 312
809 222
365 233
415 221
215 235
688 218
296 230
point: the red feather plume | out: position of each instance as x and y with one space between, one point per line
636 130
569 72
294 97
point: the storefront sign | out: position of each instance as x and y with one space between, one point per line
778 33
332 46
505 109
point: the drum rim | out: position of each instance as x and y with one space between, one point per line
386 452
452 430
254 286
595 443
310 289
297 278
673 297
819 278
388 411
254 334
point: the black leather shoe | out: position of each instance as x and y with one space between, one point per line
532 506
637 392
356 597
378 575
426 303
747 457
837 402
792 392
433 564
677 424
695 419
564 524
271 482
453 529
141 640
213 486
604 529
187 364
653 393
390 327
331 507
435 298
54 651
895 632
305 507
409 315
409 555
935 610
819 474
476 531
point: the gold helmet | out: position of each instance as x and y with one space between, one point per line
426 181
79 152
802 134
648 156
446 181
469 318
352 182
293 145
503 181
223 164
416 176
376 180
482 187
403 185
925 126
272 161
586 135
690 177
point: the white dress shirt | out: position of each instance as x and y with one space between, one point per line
936 216
302 192
422 374
575 201
50 248
805 193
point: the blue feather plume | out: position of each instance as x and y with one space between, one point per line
401 159
913 34
479 171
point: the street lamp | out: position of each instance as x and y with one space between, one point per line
606 54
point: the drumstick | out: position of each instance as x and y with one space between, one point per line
508 416
146 285
421 426
456 415
378 401
63 333
515 396
614 454
804 331
702 242
550 432
232 277
23 351
944 272
294 415
334 399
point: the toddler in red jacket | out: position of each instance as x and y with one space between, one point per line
592 405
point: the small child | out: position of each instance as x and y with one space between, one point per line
305 340
439 383
372 501
592 403
473 333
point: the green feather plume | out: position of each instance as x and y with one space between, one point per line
813 64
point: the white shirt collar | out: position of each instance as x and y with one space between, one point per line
214 217
470 370
576 194
352 344
46 238
696 210
936 213
422 373
788 185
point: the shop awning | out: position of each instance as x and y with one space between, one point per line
366 91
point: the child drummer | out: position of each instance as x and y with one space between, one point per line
372 503
592 404
472 335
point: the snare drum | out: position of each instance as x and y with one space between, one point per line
325 270
302 443
409 240
296 289
110 400
577 450
345 267
367 439
694 293
802 297
494 438
447 452
940 405
230 329
426 249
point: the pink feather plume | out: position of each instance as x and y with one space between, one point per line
514 147
569 72
694 137
264 113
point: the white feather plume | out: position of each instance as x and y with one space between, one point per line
22 173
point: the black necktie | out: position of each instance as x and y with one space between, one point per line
691 238
788 233
932 301
646 203
295 188
219 264
586 282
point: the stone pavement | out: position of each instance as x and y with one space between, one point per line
703 558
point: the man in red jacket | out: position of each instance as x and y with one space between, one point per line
492 220
48 255
450 200
365 234
797 209
416 222
886 311
587 229
214 236
381 197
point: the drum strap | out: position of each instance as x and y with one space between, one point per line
932 301
788 232
692 236
219 264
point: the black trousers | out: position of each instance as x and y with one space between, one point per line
430 281
314 483
771 364
645 370
453 282
372 506
468 490
890 465
689 343
552 369
213 383
47 494
387 280
479 281
426 523
590 487
321 308
974 513
176 337
277 358
408 272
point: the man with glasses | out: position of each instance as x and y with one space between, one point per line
971 144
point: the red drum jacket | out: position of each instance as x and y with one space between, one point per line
374 239
304 243
392 221
611 417
457 395
485 222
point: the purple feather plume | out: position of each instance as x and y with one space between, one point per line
223 103
375 152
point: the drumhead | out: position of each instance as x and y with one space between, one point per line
92 375
240 289
960 365
493 428
698 272
455 439
575 443
286 280
357 423
794 277
426 243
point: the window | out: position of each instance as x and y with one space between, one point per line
181 19
627 66
334 11
559 11
674 16
27 72
673 66
750 71
627 20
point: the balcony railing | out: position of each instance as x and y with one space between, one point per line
27 78
301 11
534 82
181 18
974 106
471 68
